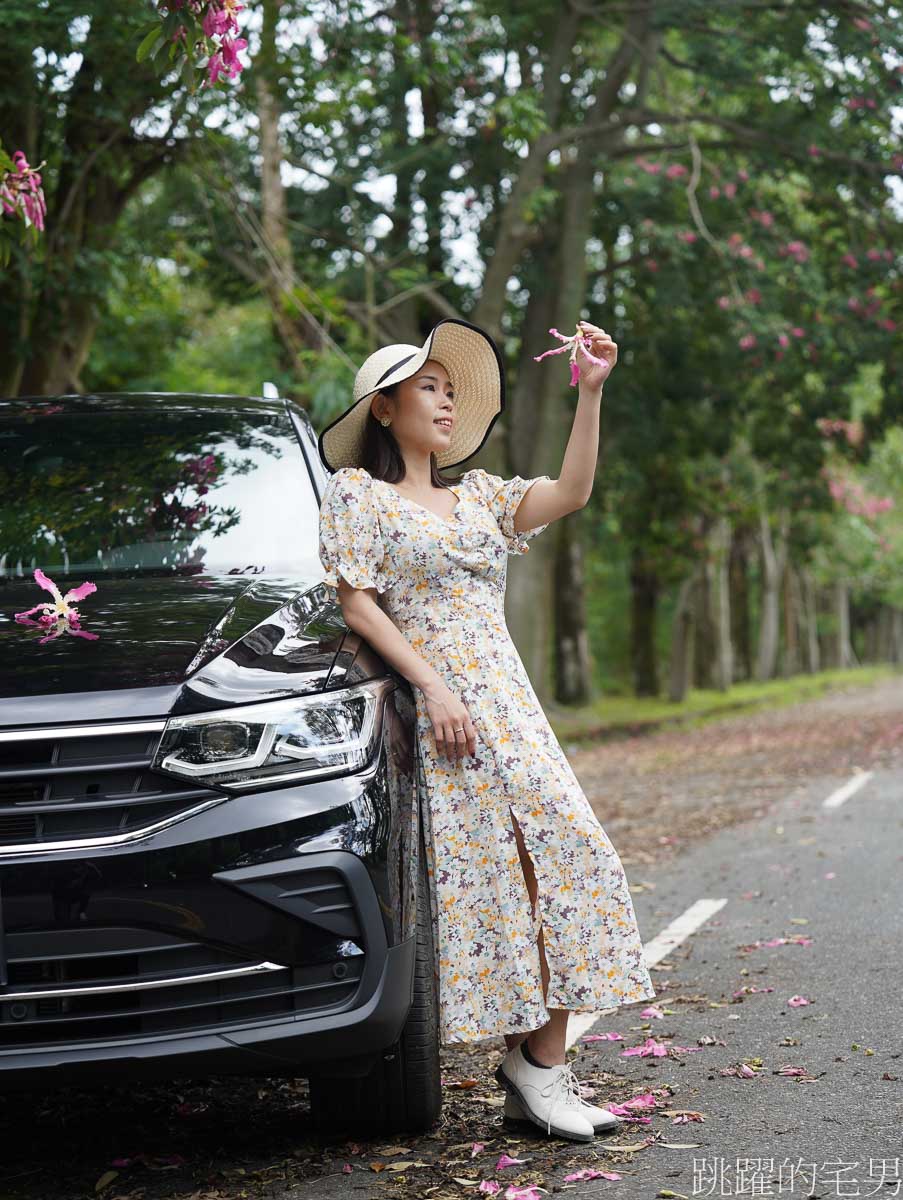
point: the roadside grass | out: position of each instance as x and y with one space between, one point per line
623 716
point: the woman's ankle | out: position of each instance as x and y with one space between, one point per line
541 1056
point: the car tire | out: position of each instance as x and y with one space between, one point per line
403 1092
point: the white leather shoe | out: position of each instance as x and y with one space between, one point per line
602 1120
549 1096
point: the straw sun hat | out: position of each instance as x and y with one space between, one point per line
474 366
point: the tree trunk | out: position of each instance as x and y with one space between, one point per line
48 319
724 651
513 232
810 617
704 642
297 329
844 651
741 637
773 558
896 655
540 422
541 414
435 178
682 634
510 233
573 677
644 588
790 659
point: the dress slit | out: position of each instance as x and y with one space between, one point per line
535 920
563 955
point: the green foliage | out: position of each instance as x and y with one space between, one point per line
708 414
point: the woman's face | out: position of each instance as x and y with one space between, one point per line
419 403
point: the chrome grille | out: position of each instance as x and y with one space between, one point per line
84 784
129 982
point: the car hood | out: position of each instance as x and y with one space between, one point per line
160 643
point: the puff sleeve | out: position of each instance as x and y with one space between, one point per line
350 541
503 497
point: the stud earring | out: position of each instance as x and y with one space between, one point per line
385 420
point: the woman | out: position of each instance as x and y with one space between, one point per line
532 915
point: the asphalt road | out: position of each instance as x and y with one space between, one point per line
836 1130
774 875
790 868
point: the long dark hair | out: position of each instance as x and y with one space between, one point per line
381 456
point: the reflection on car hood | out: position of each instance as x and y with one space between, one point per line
172 642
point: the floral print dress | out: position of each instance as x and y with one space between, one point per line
442 582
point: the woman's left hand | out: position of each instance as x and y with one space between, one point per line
591 375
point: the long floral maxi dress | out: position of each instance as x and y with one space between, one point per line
442 582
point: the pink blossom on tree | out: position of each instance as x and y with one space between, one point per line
21 193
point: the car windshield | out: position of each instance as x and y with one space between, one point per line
155 486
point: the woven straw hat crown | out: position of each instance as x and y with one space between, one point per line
475 368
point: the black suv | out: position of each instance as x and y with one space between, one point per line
211 852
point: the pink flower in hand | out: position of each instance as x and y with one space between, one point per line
571 344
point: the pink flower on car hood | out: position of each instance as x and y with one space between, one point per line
60 611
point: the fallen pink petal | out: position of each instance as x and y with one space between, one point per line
798 1001
505 1160
653 1011
489 1187
650 1046
633 1118
646 1100
602 1037
797 940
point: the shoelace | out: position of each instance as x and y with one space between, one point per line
565 1081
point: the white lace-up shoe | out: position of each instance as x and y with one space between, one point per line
602 1120
549 1096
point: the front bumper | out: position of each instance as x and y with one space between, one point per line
346 1042
271 932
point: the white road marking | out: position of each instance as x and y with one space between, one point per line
850 788
660 947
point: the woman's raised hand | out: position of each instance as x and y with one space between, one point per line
448 713
602 346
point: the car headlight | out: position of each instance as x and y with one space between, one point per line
304 737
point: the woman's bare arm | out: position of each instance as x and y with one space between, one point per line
549 499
